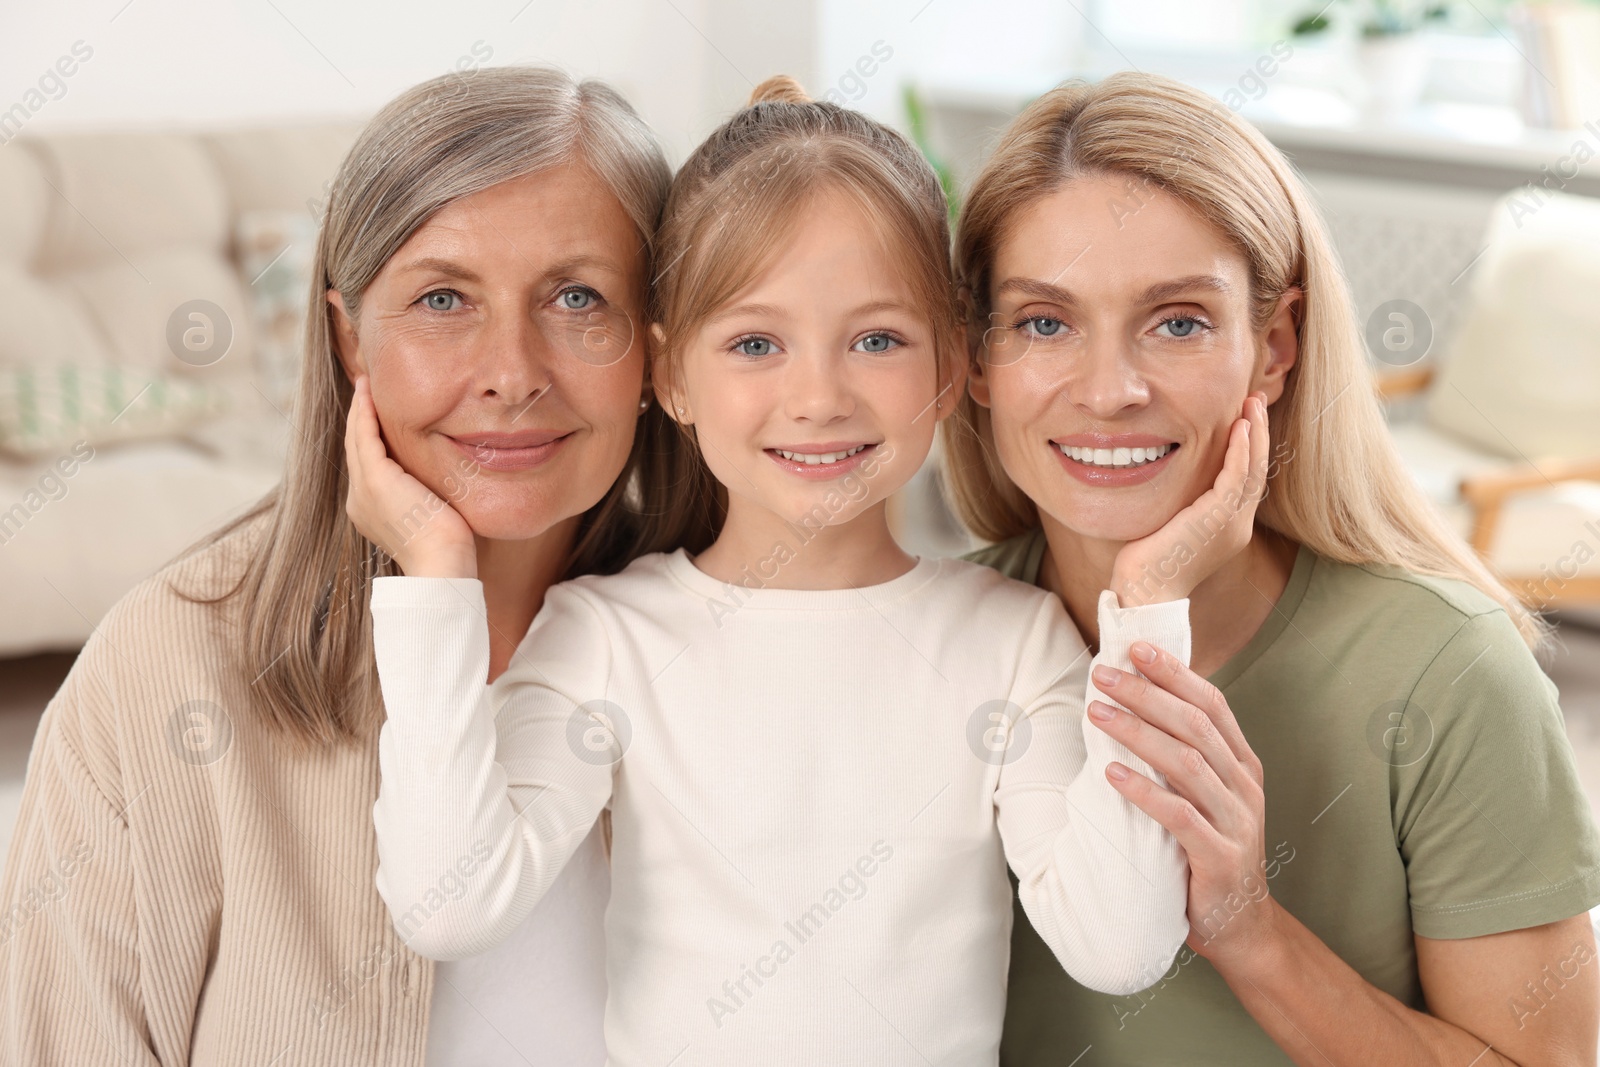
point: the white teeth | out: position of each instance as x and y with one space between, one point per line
815 458
1115 457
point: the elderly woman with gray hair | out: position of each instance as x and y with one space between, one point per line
197 816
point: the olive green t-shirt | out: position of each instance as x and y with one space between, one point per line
1418 781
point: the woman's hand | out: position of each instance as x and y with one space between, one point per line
1168 564
392 509
1213 802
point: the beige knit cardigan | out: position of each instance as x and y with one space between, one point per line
184 887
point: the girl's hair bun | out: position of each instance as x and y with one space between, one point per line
780 88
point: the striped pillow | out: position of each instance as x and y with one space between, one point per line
47 409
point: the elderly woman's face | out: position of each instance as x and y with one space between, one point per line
501 345
1119 352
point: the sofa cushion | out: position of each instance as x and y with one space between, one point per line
275 249
27 198
136 311
71 546
57 328
44 411
128 194
1522 377
1549 534
281 169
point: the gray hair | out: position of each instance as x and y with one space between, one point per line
462 133
303 622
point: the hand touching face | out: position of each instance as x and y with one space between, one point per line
1119 354
500 344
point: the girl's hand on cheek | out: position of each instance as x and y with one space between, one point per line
1168 564
395 511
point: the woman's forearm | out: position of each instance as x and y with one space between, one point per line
1322 1013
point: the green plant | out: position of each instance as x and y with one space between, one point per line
1376 18
917 120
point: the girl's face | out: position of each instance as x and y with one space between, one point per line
1119 352
500 345
815 392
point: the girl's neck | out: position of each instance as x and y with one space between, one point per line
785 555
516 575
1225 610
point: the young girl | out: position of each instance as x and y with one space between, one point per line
819 753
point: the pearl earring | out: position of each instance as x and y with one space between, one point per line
644 405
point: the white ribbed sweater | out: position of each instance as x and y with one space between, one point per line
812 809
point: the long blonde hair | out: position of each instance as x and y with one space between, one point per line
735 198
1337 484
304 624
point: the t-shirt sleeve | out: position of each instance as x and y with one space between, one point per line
1494 828
1103 884
486 790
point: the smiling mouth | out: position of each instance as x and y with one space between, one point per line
817 458
1115 459
511 452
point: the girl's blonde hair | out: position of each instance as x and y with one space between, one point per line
1337 484
304 628
736 199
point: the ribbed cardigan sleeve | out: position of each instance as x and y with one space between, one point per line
1104 884
70 979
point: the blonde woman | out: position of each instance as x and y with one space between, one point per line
197 814
1390 857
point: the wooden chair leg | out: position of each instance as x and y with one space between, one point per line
1541 594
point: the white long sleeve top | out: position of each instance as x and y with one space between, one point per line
814 797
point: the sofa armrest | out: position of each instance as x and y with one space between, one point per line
1403 382
1486 493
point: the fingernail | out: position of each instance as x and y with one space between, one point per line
1103 712
1105 677
1143 652
1117 771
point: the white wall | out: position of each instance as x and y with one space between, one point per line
684 63
965 42
194 63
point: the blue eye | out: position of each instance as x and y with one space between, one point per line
1180 325
877 343
1042 326
754 346
577 299
441 300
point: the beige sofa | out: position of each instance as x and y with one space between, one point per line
122 438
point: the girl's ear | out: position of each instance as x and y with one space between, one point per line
667 389
347 346
1280 346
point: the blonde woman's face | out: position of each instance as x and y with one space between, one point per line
817 387
1118 354
501 342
